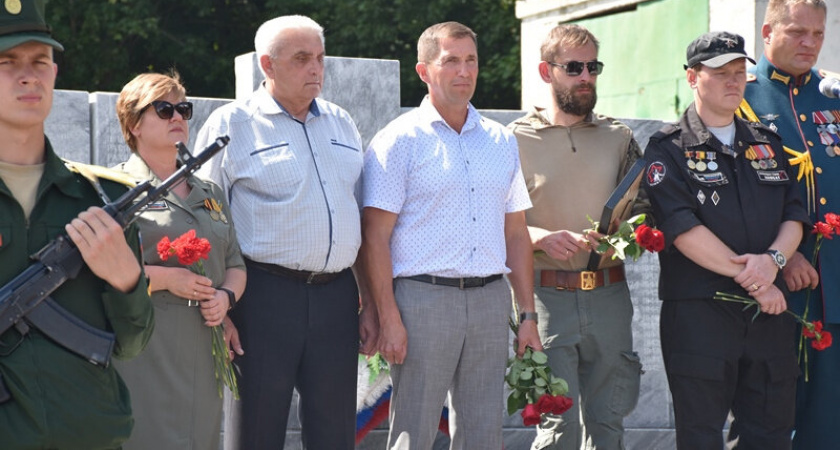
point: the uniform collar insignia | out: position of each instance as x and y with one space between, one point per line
779 77
770 116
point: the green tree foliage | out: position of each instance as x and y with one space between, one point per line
108 42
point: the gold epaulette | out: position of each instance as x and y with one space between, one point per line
828 74
746 112
93 173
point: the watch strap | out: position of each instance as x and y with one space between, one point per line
231 297
528 316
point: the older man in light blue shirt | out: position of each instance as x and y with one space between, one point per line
444 219
290 174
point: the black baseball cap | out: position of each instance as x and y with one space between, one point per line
23 21
715 49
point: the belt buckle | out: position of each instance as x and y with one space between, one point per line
192 303
587 280
461 283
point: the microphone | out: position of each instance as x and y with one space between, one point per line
830 87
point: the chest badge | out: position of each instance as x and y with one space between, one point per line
159 205
715 198
769 117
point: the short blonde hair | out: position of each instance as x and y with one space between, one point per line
428 46
778 10
139 93
567 35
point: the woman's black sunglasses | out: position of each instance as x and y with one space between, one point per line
165 110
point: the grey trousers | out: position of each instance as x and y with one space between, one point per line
588 339
457 346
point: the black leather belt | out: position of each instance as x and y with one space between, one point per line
461 283
303 275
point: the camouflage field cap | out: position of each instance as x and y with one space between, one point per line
23 21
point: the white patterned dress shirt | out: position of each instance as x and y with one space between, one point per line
451 192
291 185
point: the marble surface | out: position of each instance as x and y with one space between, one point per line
68 126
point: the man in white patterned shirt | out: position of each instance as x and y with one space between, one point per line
443 220
290 173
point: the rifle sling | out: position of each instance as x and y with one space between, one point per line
72 333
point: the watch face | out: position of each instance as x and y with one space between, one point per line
778 258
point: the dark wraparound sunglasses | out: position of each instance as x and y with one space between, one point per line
575 68
165 110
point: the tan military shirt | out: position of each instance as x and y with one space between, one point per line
570 173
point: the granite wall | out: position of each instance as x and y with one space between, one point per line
83 127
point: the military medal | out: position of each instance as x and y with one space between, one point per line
829 150
712 164
754 164
762 164
688 161
701 166
211 206
773 164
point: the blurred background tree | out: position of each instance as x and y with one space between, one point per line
108 42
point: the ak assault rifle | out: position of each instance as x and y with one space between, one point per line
25 301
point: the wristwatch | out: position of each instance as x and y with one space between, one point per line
778 258
231 297
527 316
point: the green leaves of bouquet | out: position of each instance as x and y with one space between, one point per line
529 379
534 389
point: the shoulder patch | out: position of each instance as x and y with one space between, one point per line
655 173
92 173
751 77
828 74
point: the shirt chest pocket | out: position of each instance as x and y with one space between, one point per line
275 165
347 160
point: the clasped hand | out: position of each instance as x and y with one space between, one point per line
757 279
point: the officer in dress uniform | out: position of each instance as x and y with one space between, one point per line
783 93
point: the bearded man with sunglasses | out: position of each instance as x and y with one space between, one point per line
572 160
290 174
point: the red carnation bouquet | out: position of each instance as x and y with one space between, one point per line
813 330
534 389
631 239
190 251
